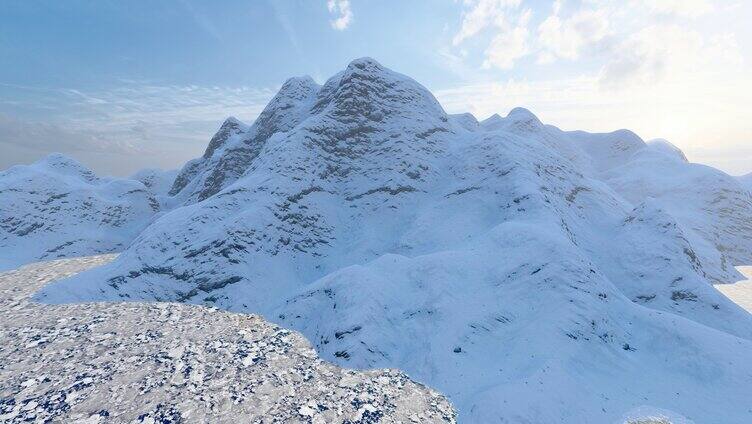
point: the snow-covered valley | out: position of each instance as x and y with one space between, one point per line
529 274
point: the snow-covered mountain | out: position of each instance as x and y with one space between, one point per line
531 274
713 208
57 208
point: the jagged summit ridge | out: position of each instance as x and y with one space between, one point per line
518 120
231 127
360 102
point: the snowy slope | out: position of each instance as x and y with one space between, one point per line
667 148
57 208
158 181
503 262
746 181
713 208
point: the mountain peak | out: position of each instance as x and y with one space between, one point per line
59 160
465 120
286 108
520 113
519 119
231 126
664 146
365 64
231 120
491 119
296 85
294 90
366 89
66 165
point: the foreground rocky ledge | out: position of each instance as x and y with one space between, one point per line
160 362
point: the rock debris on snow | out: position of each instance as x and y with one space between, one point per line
170 363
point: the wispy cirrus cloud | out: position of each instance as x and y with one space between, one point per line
143 124
660 51
48 136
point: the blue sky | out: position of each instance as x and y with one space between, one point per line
122 85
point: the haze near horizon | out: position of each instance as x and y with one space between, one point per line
123 87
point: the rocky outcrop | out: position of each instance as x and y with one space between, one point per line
158 362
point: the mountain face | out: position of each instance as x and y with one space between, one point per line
530 274
712 207
232 150
57 208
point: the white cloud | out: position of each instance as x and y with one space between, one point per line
341 10
481 14
510 27
566 38
673 83
509 45
557 37
584 30
665 51
556 7
663 68
687 8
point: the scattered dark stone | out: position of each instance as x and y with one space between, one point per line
683 295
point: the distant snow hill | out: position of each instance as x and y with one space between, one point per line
57 208
529 273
